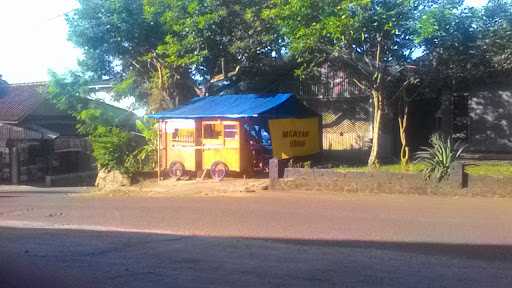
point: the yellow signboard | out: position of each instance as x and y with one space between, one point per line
295 137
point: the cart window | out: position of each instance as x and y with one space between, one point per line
185 135
212 131
230 131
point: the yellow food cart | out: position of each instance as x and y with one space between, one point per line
235 133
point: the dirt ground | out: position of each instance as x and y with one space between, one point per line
374 184
234 187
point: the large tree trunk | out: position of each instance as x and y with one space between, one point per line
377 94
373 160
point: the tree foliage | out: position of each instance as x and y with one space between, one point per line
465 45
68 91
159 50
114 146
111 148
4 86
145 157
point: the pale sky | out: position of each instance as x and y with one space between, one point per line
34 38
476 3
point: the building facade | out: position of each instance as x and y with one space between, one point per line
36 138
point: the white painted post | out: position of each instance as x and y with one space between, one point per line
15 177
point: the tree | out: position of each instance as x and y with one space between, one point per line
160 50
215 37
406 91
464 45
449 34
497 34
113 142
119 43
68 91
375 39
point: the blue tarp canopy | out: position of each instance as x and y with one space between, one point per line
279 105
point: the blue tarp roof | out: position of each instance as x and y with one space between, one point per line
279 105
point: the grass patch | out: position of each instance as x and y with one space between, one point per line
352 169
390 168
495 169
397 168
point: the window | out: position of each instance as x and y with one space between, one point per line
230 131
461 119
212 131
184 135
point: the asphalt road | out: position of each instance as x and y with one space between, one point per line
46 258
268 240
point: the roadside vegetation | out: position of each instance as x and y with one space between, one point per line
490 168
123 144
440 157
480 168
391 168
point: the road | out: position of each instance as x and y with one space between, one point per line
262 240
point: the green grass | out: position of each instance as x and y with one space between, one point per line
495 169
352 169
391 168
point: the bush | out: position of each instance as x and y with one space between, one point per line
111 149
439 158
144 158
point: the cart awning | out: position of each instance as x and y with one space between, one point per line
279 105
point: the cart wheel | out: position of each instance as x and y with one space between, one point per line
177 169
219 170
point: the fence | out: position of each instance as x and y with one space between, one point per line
346 135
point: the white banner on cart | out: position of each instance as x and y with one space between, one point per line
172 124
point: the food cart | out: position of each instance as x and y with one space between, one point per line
235 133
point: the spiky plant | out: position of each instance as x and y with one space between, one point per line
440 157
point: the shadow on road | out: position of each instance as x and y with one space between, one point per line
70 258
468 251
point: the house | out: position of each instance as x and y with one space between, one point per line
39 140
481 116
346 113
478 114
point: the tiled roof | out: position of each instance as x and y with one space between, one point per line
20 100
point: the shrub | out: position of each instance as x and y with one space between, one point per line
111 149
144 158
439 158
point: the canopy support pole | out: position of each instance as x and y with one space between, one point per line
158 153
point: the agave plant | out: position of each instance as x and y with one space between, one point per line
439 158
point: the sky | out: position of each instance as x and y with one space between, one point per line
34 39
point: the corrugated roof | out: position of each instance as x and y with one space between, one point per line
17 133
20 100
238 106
